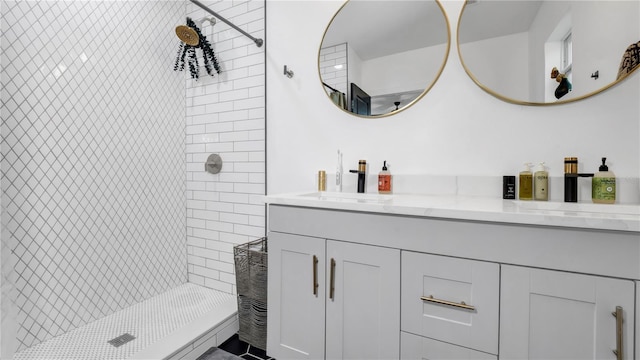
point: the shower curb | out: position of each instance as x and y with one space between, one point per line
211 329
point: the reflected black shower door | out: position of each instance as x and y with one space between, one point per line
360 101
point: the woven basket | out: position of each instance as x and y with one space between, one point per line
251 281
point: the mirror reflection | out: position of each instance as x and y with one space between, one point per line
543 52
379 57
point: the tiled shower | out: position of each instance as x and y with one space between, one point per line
103 201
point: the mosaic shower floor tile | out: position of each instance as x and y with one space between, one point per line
149 322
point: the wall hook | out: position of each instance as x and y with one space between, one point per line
596 75
288 73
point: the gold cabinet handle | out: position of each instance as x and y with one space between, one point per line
461 304
315 275
619 332
333 279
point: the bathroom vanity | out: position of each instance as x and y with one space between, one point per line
411 277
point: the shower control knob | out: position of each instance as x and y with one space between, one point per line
213 165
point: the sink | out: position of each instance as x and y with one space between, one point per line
348 197
579 207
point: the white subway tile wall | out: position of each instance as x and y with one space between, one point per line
93 158
226 116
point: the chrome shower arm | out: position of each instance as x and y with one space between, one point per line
258 42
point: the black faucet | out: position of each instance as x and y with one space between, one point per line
571 176
362 175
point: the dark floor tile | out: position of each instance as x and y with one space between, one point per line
234 345
238 347
218 354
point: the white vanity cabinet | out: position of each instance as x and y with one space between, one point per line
416 347
332 299
559 315
451 300
363 305
295 300
425 287
638 317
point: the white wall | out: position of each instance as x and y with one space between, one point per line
456 129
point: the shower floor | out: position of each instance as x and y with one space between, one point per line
170 325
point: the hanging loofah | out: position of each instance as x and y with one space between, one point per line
185 50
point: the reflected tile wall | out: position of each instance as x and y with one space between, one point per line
333 67
93 164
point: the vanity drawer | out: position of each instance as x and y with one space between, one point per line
414 347
450 299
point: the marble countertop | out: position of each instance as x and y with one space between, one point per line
577 215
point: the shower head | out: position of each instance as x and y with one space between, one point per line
187 35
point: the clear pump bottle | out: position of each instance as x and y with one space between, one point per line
541 183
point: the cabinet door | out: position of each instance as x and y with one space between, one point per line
416 347
363 311
295 323
451 300
556 315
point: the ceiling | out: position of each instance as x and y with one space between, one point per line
375 28
379 28
505 17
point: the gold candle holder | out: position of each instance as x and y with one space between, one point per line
322 180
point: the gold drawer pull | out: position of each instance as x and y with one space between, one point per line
619 332
461 304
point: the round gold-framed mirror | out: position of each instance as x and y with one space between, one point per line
379 57
536 52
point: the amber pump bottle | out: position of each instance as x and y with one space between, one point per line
384 180
525 182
